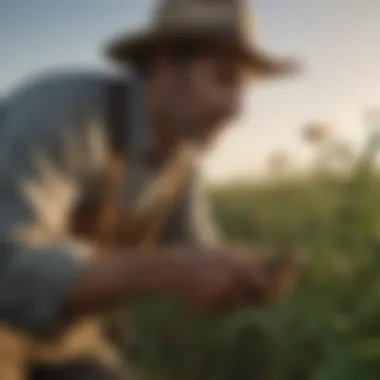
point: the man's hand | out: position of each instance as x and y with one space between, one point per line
228 281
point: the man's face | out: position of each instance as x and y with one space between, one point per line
198 98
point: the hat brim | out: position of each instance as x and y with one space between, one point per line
129 47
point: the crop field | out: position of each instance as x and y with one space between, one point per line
329 328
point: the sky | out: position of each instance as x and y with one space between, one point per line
337 42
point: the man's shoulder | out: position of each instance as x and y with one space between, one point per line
44 113
64 85
53 103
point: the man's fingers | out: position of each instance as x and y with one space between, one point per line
267 279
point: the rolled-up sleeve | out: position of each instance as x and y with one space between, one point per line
33 284
45 154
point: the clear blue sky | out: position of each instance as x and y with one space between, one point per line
337 40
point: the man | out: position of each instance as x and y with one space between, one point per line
188 72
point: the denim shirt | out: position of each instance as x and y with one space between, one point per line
52 145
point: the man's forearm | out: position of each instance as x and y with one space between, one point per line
112 280
44 288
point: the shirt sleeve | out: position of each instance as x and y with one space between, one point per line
46 147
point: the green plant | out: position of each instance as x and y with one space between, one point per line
329 329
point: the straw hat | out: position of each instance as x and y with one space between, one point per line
223 24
